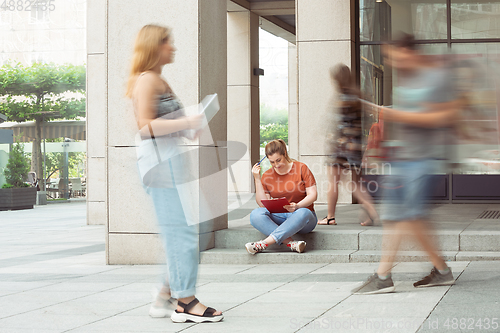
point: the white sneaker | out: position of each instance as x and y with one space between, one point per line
297 246
255 247
166 308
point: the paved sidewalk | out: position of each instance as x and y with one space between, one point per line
53 279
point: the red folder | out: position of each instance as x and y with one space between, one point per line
275 205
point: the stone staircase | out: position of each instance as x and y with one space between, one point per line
461 235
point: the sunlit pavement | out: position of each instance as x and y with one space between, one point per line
53 278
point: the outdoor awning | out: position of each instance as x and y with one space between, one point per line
74 129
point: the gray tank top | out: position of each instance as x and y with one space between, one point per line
168 106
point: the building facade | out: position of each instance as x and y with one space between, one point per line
217 44
50 31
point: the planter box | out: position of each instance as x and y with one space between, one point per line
17 198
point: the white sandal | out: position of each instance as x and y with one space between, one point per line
165 310
182 317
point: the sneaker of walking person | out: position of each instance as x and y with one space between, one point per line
375 285
297 246
255 247
436 278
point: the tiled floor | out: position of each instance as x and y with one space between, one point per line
53 279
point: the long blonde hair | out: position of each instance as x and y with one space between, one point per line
146 51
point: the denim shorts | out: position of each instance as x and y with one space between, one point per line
407 190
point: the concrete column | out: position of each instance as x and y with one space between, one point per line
97 198
199 31
243 96
293 106
325 37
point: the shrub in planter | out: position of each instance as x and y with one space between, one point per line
17 167
16 194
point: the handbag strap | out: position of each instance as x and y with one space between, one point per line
154 142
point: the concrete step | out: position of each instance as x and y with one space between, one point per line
285 256
459 233
365 239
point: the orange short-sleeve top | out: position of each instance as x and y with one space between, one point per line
292 185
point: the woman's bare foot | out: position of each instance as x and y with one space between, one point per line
367 223
367 218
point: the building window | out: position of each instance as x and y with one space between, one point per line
475 20
468 29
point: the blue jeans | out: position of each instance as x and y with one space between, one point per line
407 190
280 226
180 241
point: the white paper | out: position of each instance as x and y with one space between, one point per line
210 106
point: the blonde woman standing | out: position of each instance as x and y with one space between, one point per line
160 114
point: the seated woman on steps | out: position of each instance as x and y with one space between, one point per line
292 180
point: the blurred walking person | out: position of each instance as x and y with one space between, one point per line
345 147
161 120
424 105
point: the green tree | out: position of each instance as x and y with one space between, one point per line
273 124
54 162
36 93
270 115
17 167
271 132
